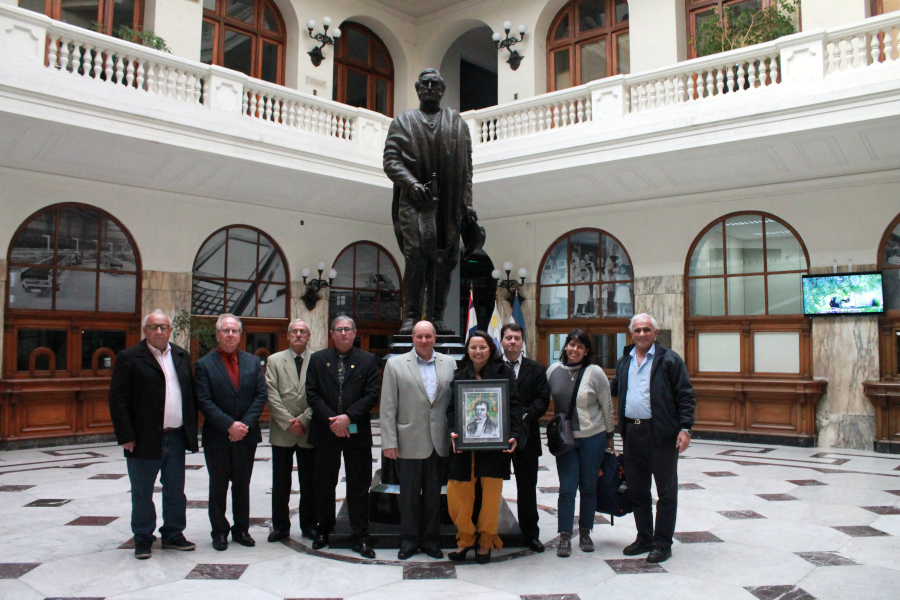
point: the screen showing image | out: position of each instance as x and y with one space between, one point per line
842 294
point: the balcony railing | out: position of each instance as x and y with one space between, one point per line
724 77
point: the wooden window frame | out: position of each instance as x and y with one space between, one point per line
343 63
375 327
889 322
53 9
255 30
694 7
576 40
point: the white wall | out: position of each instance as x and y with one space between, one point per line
658 33
816 14
178 22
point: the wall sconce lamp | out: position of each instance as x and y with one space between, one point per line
510 285
316 53
515 59
311 296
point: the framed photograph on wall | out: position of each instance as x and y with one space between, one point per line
482 414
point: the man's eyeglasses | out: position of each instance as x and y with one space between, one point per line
231 331
158 327
343 329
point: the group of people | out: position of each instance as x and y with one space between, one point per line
592 300
320 405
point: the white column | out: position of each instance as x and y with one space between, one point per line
178 22
658 33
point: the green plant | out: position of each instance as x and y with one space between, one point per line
144 38
203 330
737 29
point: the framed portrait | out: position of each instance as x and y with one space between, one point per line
482 414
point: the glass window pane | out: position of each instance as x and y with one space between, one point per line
593 61
562 30
608 348
340 303
783 250
776 352
389 306
366 267
81 13
123 14
31 339
380 60
746 295
272 300
357 45
207 41
209 5
623 54
91 341
117 292
77 290
366 305
622 297
357 88
707 297
556 267
591 15
34 244
211 258
256 340
238 52
554 302
615 262
891 281
241 299
117 248
555 343
209 297
381 96
708 254
242 253
78 228
33 5
268 69
344 267
892 247
271 265
699 20
30 288
388 278
621 8
242 10
886 6
720 352
785 294
270 22
562 75
743 244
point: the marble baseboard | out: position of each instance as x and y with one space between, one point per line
845 431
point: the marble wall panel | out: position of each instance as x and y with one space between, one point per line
317 319
845 353
168 291
663 297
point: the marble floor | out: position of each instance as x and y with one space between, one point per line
754 522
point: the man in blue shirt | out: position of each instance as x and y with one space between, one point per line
656 412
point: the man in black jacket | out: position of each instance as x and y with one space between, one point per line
534 398
231 393
151 402
342 389
656 412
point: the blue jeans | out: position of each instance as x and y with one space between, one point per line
142 473
578 470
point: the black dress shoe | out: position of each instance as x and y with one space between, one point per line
142 550
279 534
405 553
320 541
243 538
364 549
658 555
535 545
220 541
309 534
435 552
637 547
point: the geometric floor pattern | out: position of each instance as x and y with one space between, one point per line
754 522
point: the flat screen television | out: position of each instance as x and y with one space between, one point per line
843 294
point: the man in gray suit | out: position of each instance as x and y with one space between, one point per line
289 417
414 431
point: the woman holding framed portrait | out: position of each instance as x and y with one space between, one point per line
576 378
484 429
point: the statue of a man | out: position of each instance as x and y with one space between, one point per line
428 156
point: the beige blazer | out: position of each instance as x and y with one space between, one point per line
409 422
287 398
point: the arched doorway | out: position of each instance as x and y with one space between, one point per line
469 69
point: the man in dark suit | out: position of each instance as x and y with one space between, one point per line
656 412
534 398
231 393
151 402
342 388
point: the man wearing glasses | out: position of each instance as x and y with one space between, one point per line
289 417
151 402
342 388
231 393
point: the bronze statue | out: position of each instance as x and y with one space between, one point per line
428 156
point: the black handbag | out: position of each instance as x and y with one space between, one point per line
560 438
612 490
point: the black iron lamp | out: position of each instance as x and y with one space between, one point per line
515 59
510 285
323 38
313 286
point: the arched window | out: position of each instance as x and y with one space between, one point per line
105 16
72 303
889 263
701 11
363 70
368 289
588 40
244 35
586 281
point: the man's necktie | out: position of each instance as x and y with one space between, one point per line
342 375
298 360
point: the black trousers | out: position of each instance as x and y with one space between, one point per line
230 464
525 464
646 457
420 501
358 466
282 465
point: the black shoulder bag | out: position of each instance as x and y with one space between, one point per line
560 438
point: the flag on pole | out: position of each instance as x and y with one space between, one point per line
495 325
518 318
472 320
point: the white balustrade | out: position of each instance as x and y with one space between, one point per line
866 44
557 110
288 108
